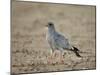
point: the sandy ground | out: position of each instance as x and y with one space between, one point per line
29 49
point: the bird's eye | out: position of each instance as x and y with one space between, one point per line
50 24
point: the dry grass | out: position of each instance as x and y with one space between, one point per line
29 48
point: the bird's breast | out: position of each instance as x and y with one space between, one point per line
49 37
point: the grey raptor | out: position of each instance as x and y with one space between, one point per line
58 41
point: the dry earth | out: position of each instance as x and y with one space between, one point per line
29 49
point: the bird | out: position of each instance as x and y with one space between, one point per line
58 42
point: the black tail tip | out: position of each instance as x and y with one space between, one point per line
77 54
76 49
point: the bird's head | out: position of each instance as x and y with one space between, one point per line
50 28
50 25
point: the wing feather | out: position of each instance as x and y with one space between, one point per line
61 41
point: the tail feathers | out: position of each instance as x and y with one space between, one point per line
77 54
75 50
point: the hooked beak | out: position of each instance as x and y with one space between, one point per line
46 25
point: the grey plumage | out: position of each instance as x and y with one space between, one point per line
58 41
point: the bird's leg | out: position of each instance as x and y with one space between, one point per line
52 53
62 56
51 57
55 54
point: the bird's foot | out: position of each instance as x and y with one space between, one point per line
50 59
